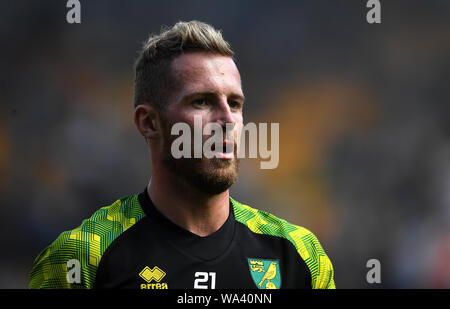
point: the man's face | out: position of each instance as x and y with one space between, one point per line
209 89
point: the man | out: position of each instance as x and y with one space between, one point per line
184 230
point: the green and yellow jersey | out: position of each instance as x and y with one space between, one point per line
130 244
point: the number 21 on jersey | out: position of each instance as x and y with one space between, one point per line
204 280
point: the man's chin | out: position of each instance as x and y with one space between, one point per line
215 176
210 176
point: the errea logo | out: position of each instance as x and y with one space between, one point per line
153 274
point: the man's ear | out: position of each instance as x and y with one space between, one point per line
147 121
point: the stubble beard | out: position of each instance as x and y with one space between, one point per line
210 176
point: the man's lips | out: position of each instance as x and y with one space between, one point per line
223 155
224 152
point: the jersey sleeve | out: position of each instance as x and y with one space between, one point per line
72 260
311 251
62 265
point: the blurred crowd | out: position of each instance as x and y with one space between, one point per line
363 113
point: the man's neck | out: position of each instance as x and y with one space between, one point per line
195 211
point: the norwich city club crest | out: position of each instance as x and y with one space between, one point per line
265 273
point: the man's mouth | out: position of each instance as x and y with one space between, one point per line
226 151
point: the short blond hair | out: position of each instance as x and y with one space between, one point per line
153 76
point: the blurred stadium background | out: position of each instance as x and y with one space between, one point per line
363 110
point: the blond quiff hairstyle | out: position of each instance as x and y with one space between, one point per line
153 76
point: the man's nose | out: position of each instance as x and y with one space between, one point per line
223 113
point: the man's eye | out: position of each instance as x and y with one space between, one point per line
235 105
200 102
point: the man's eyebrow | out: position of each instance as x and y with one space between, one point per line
234 96
237 96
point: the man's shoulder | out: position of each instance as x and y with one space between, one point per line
104 225
85 244
263 222
304 241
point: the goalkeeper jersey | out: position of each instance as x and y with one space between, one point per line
130 244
